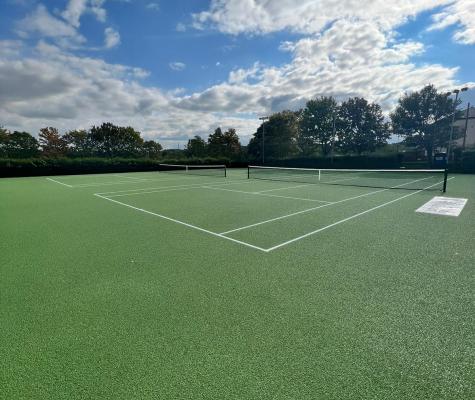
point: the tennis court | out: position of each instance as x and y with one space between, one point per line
258 283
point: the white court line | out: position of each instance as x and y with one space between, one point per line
122 183
130 177
81 185
191 185
60 183
182 223
289 187
340 180
266 195
316 208
349 218
152 189
86 185
155 191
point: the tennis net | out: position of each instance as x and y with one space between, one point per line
207 170
411 179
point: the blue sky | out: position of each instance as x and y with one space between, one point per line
173 69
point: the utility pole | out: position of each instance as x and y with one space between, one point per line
263 119
333 136
449 147
466 126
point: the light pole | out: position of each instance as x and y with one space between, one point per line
263 119
456 91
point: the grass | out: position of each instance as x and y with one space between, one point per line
100 300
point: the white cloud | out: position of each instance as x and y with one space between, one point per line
305 16
180 27
112 38
76 8
348 59
42 23
153 6
74 11
177 66
55 88
10 48
346 50
460 13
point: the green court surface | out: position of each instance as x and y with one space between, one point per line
174 286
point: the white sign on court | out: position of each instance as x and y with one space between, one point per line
451 206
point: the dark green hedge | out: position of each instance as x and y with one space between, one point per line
467 161
71 166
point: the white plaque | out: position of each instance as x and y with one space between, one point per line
451 206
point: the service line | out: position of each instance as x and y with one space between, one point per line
182 223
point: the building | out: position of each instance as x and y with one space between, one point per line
469 139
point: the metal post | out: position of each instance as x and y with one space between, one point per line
263 119
445 180
466 126
263 143
449 147
333 137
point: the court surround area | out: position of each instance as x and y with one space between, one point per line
177 284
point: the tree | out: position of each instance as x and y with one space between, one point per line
4 135
110 140
196 147
52 144
424 118
231 144
361 126
21 145
280 136
216 143
316 125
152 149
78 143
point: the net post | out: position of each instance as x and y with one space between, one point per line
446 172
248 177
319 174
225 171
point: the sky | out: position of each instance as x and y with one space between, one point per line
175 69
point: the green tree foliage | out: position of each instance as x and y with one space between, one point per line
110 140
280 136
4 134
216 143
424 118
232 146
196 147
21 145
151 149
224 144
361 126
78 143
316 125
51 142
